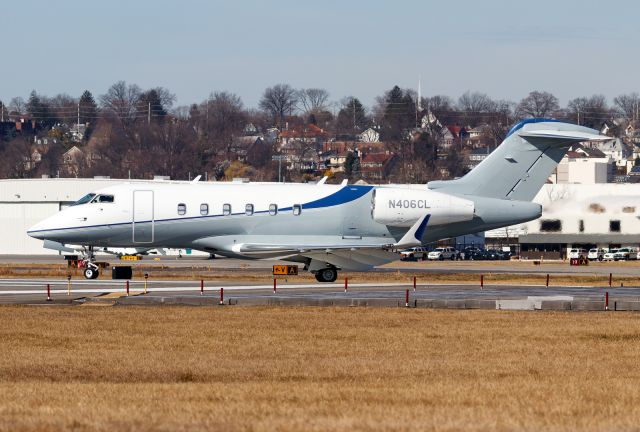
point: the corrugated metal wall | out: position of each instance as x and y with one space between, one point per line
15 219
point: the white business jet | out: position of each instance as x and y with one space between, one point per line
324 227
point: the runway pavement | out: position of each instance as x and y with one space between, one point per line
239 292
462 296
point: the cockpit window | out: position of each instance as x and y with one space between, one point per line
85 199
104 199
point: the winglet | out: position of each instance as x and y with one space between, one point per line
413 237
196 180
322 181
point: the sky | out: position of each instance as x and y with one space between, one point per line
355 48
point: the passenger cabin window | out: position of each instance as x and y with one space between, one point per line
182 209
273 209
85 199
248 209
226 209
204 209
297 209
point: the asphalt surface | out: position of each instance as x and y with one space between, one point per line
235 291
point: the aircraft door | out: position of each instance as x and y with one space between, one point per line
143 216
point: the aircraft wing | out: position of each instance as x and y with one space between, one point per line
348 253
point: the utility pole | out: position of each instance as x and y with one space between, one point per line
149 114
2 110
78 123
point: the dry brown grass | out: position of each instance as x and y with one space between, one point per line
316 369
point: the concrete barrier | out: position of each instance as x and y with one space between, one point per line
552 305
622 305
587 305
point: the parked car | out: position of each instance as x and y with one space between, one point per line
496 254
625 254
414 254
609 256
596 254
443 253
473 253
576 253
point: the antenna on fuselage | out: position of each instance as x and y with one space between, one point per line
344 182
196 180
323 180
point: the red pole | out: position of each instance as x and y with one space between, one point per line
127 288
547 279
274 285
221 296
201 287
606 301
610 279
48 292
414 284
406 298
481 281
346 284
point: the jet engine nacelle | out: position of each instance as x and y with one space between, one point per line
403 207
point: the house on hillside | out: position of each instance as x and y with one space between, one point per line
309 134
369 136
376 166
246 148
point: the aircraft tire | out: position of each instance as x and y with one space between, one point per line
90 273
329 274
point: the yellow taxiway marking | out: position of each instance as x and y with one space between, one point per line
121 294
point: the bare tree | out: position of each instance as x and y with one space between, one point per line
475 102
628 105
64 107
121 100
475 108
226 117
313 100
279 101
18 105
591 111
537 104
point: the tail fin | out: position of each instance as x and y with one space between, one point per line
519 167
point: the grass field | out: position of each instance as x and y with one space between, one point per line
293 369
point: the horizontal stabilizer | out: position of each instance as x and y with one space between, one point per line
564 135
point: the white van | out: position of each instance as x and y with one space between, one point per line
576 253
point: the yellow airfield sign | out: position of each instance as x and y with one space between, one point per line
285 270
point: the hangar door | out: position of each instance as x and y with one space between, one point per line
143 219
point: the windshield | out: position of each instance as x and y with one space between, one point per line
85 199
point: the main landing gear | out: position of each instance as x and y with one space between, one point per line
329 274
91 269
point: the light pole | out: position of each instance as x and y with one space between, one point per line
279 158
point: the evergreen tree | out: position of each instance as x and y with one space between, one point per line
88 108
399 114
150 105
352 117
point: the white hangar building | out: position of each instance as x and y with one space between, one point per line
25 202
604 215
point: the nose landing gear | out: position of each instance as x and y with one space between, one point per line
91 269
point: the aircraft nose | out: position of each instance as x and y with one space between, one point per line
41 230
